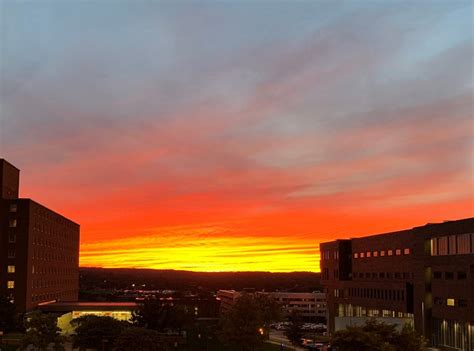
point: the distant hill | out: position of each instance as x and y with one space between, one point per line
123 278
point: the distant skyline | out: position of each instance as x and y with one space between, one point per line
237 135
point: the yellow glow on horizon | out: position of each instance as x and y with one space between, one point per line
204 250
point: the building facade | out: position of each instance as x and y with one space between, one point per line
39 249
311 306
422 276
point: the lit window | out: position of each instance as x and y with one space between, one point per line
382 253
362 255
406 251
390 252
398 252
11 284
11 269
13 223
13 207
369 253
450 302
376 253
356 255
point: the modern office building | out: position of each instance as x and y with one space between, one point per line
311 306
39 249
422 276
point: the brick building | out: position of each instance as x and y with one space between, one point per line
39 249
422 276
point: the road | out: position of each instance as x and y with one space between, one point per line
278 337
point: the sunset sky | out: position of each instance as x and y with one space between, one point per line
237 135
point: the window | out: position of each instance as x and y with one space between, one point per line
437 275
11 253
450 302
362 255
11 284
369 254
356 255
449 275
13 207
462 275
406 251
382 253
376 254
463 243
390 252
382 275
12 223
438 301
11 269
443 245
434 247
11 238
397 275
452 248
398 252
462 303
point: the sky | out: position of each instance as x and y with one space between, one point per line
238 135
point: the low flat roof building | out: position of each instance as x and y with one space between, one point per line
310 306
422 276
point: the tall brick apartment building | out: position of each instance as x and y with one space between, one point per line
422 276
39 249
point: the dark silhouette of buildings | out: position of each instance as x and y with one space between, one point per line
422 276
39 249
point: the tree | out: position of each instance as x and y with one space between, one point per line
153 314
243 326
8 315
408 340
42 331
270 311
96 332
134 338
294 332
356 339
378 336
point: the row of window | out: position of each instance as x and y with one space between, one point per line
452 245
383 275
326 255
46 256
41 283
450 275
371 293
52 296
58 243
450 302
348 310
381 253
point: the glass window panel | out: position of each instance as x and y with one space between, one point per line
443 245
